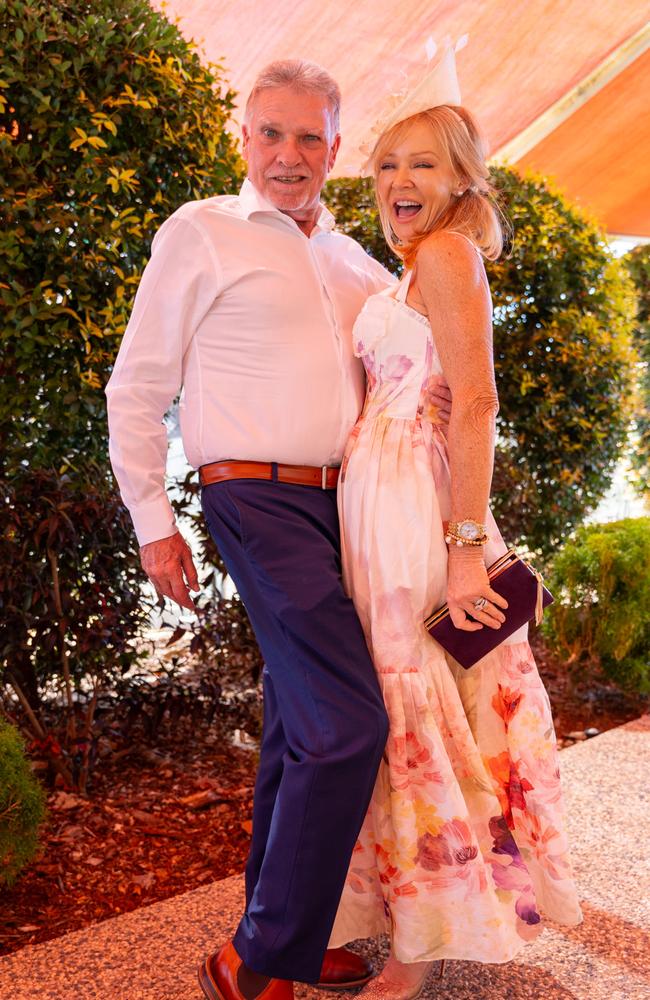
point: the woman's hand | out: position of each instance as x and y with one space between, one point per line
467 582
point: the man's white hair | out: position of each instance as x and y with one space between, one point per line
300 75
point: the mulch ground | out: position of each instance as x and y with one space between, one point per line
157 822
166 818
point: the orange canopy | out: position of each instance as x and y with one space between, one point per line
557 86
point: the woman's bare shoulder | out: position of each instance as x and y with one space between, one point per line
445 244
447 258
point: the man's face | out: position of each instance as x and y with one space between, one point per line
290 147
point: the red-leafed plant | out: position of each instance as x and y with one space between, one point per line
70 605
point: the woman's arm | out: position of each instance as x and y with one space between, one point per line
451 282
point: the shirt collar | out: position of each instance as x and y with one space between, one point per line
252 201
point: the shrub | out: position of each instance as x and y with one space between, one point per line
108 122
602 612
67 619
637 262
22 806
562 325
352 201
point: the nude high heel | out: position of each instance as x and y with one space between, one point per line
385 989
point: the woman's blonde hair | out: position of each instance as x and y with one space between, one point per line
474 213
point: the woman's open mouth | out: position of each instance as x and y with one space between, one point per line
406 209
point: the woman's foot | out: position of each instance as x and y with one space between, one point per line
398 981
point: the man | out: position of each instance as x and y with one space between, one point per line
248 303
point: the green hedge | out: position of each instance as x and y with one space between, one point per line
601 583
22 806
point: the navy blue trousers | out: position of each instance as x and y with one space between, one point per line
325 725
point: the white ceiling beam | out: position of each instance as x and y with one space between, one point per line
568 104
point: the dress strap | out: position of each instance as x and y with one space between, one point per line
403 286
405 282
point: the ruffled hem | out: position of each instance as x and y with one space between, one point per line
463 849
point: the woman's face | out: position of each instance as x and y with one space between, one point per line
415 181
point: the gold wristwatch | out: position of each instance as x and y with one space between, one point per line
466 532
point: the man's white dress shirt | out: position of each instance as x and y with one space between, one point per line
254 321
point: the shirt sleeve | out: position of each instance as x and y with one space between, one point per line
178 286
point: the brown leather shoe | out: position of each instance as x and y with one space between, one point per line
218 978
344 970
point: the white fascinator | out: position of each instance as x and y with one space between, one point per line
438 86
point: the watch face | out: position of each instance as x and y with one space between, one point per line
469 530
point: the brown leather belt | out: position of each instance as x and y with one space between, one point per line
325 477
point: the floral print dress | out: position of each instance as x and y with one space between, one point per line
463 849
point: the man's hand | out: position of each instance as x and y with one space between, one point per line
440 395
168 564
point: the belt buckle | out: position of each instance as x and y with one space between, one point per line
323 478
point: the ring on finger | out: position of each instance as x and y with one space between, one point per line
480 603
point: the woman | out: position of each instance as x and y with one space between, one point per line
463 848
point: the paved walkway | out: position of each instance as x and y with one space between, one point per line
152 954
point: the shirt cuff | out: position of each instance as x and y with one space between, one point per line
153 521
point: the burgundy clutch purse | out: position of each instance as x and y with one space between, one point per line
523 589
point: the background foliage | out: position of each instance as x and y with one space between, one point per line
563 320
638 264
602 612
22 806
68 618
108 122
